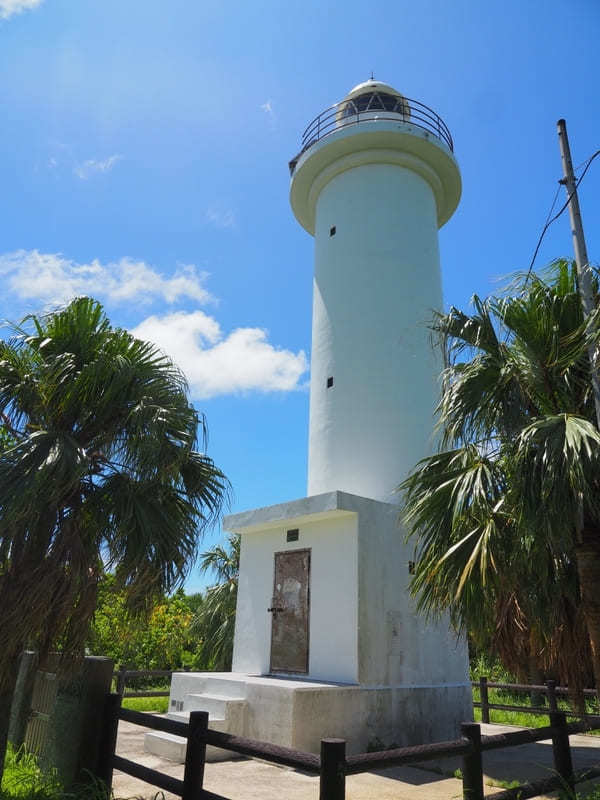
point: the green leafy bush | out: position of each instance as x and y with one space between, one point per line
157 640
24 779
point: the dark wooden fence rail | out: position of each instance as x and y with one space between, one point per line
198 737
122 677
332 766
473 745
549 689
483 684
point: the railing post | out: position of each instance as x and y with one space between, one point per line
551 694
483 697
472 767
333 769
561 747
195 755
121 680
108 741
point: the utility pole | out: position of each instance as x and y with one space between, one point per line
586 288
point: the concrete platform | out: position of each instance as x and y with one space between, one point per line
298 713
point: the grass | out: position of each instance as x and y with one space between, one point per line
160 705
521 718
24 780
496 673
594 794
503 784
566 794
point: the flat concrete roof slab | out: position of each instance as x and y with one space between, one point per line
305 509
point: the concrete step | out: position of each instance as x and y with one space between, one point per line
178 716
213 724
222 686
165 745
184 716
172 747
218 706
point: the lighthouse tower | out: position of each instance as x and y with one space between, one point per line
375 180
328 641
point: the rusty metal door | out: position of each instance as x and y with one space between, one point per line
290 610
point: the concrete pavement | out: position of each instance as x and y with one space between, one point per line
250 779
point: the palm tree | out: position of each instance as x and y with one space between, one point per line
102 473
506 517
214 621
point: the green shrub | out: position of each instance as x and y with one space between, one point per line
157 641
24 780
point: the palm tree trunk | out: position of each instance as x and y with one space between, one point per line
588 569
534 674
6 695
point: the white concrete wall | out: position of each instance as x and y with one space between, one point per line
333 627
371 717
398 646
376 282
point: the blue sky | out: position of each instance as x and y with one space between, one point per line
143 160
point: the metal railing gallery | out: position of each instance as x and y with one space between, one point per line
353 112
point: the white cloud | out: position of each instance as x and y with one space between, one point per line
215 364
52 279
220 217
267 108
10 7
92 166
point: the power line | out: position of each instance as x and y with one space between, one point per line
547 222
558 213
579 166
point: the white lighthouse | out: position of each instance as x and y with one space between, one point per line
376 180
328 641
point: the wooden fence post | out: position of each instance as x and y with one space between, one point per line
121 680
561 747
551 694
472 768
195 755
108 741
483 698
333 769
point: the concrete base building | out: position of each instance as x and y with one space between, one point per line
328 642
